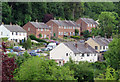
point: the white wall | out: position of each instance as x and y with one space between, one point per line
18 36
6 32
60 53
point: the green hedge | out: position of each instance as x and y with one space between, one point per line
32 37
75 37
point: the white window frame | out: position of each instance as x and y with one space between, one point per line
38 29
41 29
59 33
28 28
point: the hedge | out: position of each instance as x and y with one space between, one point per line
32 37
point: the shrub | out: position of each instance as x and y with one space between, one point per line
75 37
5 39
32 37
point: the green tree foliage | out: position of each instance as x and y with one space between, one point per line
86 34
82 71
112 56
96 32
27 44
39 68
110 74
76 32
108 23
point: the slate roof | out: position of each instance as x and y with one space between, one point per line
39 25
80 47
89 21
102 41
65 23
14 28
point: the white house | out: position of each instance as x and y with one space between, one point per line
13 32
76 50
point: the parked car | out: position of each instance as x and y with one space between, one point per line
18 48
20 53
50 46
39 50
34 54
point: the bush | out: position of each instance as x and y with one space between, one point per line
5 39
32 37
75 37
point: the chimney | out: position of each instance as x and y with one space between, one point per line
86 45
10 23
36 20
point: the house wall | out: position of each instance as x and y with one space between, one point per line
92 43
19 36
60 30
4 32
31 27
54 28
46 33
85 26
59 53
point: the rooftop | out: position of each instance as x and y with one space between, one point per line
89 21
39 25
14 28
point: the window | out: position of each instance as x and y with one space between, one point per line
59 62
38 29
73 27
45 29
103 47
12 33
75 54
88 55
1 33
16 33
82 54
69 27
94 54
28 29
66 54
44 36
64 27
96 47
41 29
20 34
91 25
59 33
88 25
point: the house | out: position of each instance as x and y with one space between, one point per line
60 28
39 29
76 50
13 32
99 44
86 24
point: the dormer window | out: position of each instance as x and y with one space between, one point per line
82 54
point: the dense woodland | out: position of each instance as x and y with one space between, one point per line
21 13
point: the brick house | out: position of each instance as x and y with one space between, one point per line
59 28
37 28
86 24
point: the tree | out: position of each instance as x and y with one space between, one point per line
40 35
86 34
108 22
8 65
82 71
110 74
112 56
27 44
47 17
76 32
40 68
